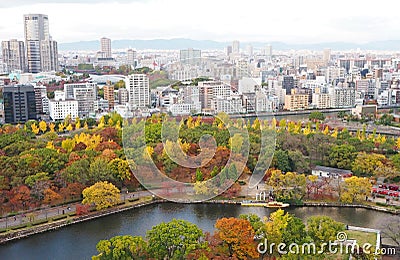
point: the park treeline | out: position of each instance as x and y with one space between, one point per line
45 163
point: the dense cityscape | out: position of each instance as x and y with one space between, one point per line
197 153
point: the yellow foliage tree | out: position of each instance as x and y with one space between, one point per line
102 195
307 130
273 123
335 133
85 126
355 189
42 126
110 122
69 128
148 152
118 125
77 123
35 129
61 127
68 144
326 130
52 126
50 145
102 122
189 122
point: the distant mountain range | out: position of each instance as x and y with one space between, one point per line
180 43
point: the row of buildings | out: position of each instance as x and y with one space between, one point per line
38 53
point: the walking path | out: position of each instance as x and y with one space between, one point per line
51 212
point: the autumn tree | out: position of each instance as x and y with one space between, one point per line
238 237
367 163
42 126
121 247
174 240
283 227
51 197
355 189
102 195
288 186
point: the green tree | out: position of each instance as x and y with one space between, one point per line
322 229
199 175
281 160
121 248
316 116
174 240
102 195
342 156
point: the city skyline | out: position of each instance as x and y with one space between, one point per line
226 21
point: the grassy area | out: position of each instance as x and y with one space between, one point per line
362 237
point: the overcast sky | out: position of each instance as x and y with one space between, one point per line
291 21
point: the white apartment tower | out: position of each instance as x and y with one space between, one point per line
131 56
14 55
138 90
235 47
41 50
105 46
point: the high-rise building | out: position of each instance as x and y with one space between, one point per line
326 55
41 50
19 103
288 84
105 46
131 57
235 47
138 90
40 93
109 95
249 50
268 50
49 55
190 56
14 55
86 98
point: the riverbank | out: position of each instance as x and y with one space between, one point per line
57 224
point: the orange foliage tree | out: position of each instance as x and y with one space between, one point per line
238 236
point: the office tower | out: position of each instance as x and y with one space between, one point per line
40 93
138 90
228 50
105 46
19 103
41 50
131 57
249 50
326 55
190 56
268 50
235 47
49 55
288 84
109 95
14 55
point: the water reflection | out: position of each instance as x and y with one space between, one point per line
79 241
